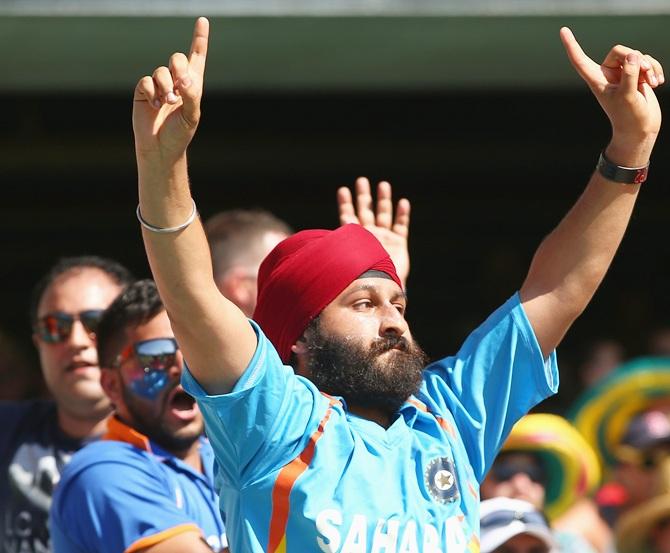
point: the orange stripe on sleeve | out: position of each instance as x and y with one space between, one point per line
284 484
148 541
446 426
419 405
473 490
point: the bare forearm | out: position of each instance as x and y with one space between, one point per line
181 265
214 335
179 261
571 262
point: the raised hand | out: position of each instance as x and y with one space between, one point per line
392 233
166 105
623 85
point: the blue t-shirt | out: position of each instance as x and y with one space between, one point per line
116 496
298 472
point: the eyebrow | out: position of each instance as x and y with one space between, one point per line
372 288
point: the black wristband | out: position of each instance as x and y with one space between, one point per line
617 173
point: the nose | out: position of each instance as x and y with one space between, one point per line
392 322
80 338
521 481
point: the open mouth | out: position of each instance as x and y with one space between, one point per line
182 405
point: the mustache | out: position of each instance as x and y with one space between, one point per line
387 343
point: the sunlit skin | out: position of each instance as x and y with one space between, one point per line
70 368
519 486
183 423
523 543
367 309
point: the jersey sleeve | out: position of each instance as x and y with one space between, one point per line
114 506
265 421
496 377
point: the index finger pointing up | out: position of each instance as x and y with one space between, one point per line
198 54
579 60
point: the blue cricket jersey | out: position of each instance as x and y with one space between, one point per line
298 472
124 496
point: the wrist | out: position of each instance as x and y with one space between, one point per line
621 174
154 166
630 151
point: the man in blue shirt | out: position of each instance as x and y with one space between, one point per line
391 458
148 485
38 436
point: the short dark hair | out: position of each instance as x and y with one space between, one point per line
136 305
113 269
234 232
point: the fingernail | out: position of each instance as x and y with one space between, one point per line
633 58
157 103
186 82
654 80
171 97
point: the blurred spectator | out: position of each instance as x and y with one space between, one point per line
162 496
625 417
18 380
645 528
239 240
39 437
514 526
547 463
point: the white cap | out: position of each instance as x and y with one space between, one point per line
503 518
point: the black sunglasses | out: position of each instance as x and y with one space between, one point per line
505 469
56 327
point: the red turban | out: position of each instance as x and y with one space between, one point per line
307 271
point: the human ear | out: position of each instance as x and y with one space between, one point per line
299 357
110 380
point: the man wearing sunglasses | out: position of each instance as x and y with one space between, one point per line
330 432
548 464
38 437
149 484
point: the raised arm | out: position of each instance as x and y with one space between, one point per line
572 260
215 337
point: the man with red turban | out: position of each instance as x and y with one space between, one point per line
330 432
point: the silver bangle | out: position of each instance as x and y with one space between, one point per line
166 230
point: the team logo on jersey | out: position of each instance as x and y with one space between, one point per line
440 480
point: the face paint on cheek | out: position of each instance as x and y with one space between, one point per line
150 384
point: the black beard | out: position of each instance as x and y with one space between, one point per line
152 425
346 368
